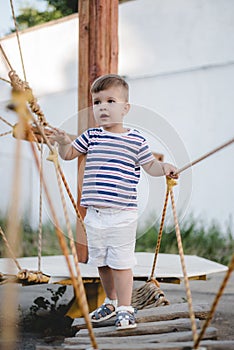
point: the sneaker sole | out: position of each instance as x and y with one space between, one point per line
119 328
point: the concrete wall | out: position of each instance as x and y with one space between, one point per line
178 57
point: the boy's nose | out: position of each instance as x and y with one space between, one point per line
103 106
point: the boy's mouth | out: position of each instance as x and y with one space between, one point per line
104 116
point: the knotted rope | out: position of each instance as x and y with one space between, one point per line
22 86
215 302
157 248
9 249
150 295
9 124
183 265
18 39
6 122
76 280
6 133
24 274
40 211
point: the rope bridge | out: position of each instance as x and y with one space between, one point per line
33 127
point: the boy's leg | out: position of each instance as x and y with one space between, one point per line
108 308
106 275
123 282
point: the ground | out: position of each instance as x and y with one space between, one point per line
202 291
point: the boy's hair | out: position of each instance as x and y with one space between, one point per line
109 80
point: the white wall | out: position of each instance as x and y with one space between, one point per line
178 57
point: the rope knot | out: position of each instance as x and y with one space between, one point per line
53 157
171 183
22 86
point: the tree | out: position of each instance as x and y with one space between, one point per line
30 16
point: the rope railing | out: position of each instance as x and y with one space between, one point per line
23 87
215 302
6 133
76 280
6 121
182 260
18 39
20 86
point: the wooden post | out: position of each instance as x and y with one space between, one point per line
98 55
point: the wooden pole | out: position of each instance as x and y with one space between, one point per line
98 55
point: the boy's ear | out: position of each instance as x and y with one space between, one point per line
126 108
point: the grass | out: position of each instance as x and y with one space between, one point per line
198 239
29 240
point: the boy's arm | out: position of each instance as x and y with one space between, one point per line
65 148
156 168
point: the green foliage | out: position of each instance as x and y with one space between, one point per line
198 239
28 240
64 6
56 9
30 17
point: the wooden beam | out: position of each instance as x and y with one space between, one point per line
98 55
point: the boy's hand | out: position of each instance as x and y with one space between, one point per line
170 170
59 136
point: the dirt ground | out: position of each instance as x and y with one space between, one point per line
202 291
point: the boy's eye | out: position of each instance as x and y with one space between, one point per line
111 100
96 102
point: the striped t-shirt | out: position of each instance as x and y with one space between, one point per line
112 169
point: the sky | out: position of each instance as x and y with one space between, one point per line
6 21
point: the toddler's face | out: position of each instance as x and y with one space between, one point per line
109 106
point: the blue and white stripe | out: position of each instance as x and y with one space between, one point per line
112 169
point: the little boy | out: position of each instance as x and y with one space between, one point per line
112 172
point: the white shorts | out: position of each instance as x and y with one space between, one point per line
111 236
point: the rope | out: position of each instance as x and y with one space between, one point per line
3 79
157 248
23 86
76 280
83 299
6 133
40 212
6 122
50 157
18 39
215 302
9 248
181 253
9 331
206 155
5 57
170 185
71 198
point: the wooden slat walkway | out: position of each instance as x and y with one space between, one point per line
163 313
188 345
166 327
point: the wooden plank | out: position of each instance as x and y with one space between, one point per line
183 324
162 313
113 40
98 29
83 119
207 344
50 347
211 333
